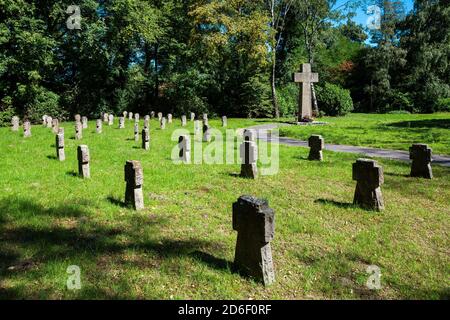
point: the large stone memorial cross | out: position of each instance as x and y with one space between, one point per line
306 78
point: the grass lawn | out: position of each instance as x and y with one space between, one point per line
182 245
389 131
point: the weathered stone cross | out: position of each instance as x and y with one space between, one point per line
369 176
255 223
134 178
306 78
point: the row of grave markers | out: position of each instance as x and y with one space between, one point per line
253 219
82 123
367 173
420 154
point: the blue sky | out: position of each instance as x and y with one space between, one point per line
361 17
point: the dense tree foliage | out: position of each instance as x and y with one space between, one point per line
233 57
408 68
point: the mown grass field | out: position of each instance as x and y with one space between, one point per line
389 131
182 245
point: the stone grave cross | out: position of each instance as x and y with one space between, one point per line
254 221
306 78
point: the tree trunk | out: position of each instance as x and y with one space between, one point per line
274 63
274 88
156 92
313 90
147 93
315 104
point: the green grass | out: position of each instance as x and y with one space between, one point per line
182 245
389 131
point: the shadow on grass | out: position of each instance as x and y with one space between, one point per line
401 175
117 202
72 174
213 262
220 264
52 157
237 176
24 247
28 208
343 205
234 175
302 158
431 123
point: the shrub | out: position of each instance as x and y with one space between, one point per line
334 100
45 102
255 99
6 112
183 92
433 96
288 100
443 104
399 101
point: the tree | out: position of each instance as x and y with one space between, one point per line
426 39
314 17
278 11
353 31
384 62
233 36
